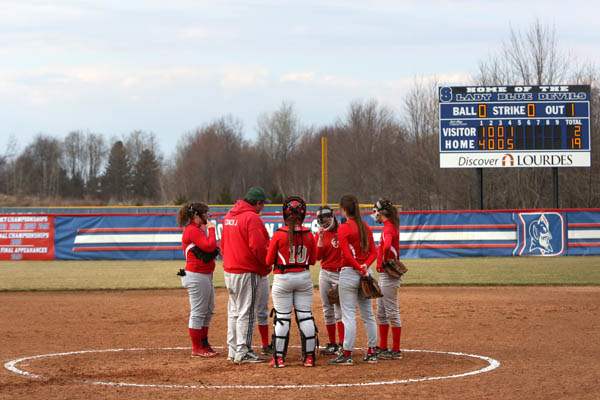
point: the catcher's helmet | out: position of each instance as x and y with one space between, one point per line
325 217
294 206
383 204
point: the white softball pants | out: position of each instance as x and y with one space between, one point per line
201 293
327 280
388 311
349 300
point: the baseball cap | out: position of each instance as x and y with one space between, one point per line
256 194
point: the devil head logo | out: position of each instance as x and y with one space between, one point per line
540 236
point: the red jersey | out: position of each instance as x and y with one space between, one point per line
349 238
389 245
301 256
330 253
194 235
244 240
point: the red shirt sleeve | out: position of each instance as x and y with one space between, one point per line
312 249
319 251
258 239
345 246
385 245
372 249
207 244
272 251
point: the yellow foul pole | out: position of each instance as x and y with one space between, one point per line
323 170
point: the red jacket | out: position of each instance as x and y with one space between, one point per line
389 245
350 245
194 235
244 240
330 253
279 250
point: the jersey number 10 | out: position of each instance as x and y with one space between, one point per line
298 254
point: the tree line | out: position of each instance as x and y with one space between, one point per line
374 151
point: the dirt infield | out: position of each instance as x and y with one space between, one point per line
546 339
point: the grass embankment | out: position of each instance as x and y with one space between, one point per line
86 275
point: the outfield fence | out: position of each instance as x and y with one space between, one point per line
151 233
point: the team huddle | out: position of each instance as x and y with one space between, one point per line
345 250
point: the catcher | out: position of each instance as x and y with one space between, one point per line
330 255
292 252
390 272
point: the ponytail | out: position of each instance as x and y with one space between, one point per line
183 215
391 212
349 203
291 223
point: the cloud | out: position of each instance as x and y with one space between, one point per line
243 77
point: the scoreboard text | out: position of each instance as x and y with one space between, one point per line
514 126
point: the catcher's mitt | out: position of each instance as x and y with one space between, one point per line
333 295
394 268
369 288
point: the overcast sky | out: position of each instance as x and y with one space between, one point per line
170 66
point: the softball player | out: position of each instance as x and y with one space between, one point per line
388 312
200 248
330 255
358 250
292 251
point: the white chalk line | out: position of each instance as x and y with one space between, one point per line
12 367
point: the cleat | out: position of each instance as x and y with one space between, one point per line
391 355
341 360
267 350
277 362
330 350
379 350
371 356
205 352
309 361
249 358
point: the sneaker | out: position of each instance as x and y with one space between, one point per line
330 350
267 350
379 350
249 358
370 357
277 362
309 361
391 355
341 360
204 352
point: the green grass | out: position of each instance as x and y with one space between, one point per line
85 275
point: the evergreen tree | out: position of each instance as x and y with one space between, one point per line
146 176
116 181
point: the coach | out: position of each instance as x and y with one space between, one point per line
244 245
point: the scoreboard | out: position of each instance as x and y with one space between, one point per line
514 126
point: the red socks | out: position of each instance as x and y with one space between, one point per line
347 353
331 333
264 334
396 333
197 336
383 335
340 329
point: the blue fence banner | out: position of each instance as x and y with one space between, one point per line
153 234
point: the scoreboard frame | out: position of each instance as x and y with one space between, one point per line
514 126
